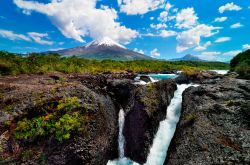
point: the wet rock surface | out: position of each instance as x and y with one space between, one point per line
214 127
147 107
145 78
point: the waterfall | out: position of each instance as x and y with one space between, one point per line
163 137
121 139
165 133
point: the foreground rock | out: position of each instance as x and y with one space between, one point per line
94 142
214 127
36 117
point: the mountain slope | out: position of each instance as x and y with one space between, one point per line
102 49
188 57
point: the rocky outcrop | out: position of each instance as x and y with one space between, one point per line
121 90
29 96
201 77
146 108
100 98
214 126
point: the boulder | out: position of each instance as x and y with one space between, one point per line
145 78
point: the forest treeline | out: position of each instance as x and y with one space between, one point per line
35 63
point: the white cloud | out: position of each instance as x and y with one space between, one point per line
167 33
223 39
191 38
168 6
152 18
172 17
155 53
56 49
246 46
232 53
38 38
162 33
13 36
163 16
133 7
186 18
236 25
229 7
175 10
158 26
220 19
80 18
203 47
149 35
209 55
139 51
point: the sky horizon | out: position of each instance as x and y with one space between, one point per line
213 30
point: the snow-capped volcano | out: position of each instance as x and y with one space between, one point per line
106 41
101 49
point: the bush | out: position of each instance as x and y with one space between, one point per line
68 104
59 124
66 125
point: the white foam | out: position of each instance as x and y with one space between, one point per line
165 133
121 139
220 71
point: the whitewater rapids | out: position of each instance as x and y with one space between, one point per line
165 133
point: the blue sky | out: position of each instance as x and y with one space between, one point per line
210 29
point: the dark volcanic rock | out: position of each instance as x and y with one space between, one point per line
201 77
145 78
147 107
214 127
121 90
27 96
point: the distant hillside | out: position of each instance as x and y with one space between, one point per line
103 49
188 57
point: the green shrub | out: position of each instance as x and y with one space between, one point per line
68 104
59 124
30 129
66 125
